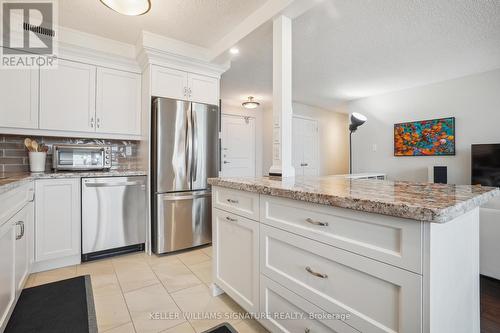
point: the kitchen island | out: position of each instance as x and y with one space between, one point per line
324 254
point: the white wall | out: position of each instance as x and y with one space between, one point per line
257 114
333 135
473 100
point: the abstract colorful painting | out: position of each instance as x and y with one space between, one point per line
435 137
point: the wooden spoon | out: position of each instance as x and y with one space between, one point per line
27 143
34 145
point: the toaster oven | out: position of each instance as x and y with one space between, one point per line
81 157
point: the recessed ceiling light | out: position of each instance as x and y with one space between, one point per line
250 103
128 7
234 50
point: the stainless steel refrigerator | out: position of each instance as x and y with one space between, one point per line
185 152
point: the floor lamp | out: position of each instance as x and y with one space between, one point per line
357 119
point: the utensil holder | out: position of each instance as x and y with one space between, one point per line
37 161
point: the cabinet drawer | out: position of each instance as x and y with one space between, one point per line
238 202
236 260
277 301
12 201
391 240
339 281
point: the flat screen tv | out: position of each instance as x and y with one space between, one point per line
485 164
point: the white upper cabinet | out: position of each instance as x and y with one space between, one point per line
203 89
118 103
67 97
169 83
172 83
19 96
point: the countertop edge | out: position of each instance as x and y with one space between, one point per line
369 206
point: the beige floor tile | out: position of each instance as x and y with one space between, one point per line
127 328
54 275
182 328
175 276
132 257
203 271
208 250
198 301
155 259
30 282
96 267
154 300
134 275
193 257
249 326
111 311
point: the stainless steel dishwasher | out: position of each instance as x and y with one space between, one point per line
113 216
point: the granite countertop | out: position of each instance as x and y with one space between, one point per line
9 181
417 201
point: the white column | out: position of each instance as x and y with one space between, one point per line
282 98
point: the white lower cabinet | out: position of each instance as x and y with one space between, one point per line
58 229
7 275
287 312
339 281
236 249
23 225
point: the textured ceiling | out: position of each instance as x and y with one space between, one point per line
199 22
347 49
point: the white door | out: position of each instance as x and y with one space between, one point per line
57 230
236 262
118 103
203 89
67 97
7 289
305 154
238 146
169 83
23 222
19 98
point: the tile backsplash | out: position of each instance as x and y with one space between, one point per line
14 156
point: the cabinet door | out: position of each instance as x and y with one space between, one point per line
236 264
203 89
7 289
67 97
118 104
19 96
57 230
23 222
169 83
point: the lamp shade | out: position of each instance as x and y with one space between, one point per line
128 7
357 119
250 103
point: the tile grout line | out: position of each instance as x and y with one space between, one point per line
173 299
123 296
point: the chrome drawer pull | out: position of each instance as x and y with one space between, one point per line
310 220
307 330
310 271
21 224
232 201
231 219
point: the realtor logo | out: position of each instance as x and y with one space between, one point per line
28 33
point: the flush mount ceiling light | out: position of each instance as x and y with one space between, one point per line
250 103
128 7
234 50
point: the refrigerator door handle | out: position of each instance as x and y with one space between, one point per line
194 172
189 146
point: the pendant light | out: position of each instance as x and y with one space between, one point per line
357 119
128 7
250 103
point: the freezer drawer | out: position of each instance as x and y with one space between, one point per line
113 213
184 220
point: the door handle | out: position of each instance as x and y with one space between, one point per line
21 224
232 201
113 184
311 221
194 166
226 162
230 219
320 275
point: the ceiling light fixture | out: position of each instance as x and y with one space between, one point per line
128 7
234 50
250 103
